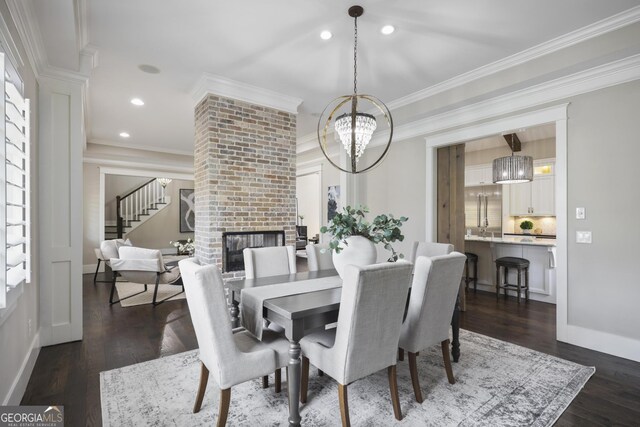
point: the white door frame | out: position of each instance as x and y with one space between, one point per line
556 114
310 170
130 172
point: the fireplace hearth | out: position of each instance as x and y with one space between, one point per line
234 242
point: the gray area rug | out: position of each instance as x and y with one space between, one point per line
498 384
126 289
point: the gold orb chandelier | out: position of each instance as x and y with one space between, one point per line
353 128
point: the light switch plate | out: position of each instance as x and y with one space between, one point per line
583 237
581 213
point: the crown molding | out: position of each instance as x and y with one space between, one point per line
151 166
26 23
222 86
563 88
307 142
590 31
117 144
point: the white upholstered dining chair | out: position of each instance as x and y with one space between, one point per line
269 261
265 262
319 257
429 249
436 281
230 356
145 266
366 338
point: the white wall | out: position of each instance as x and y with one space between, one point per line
164 226
397 186
19 345
603 170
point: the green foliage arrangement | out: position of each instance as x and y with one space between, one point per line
526 225
384 229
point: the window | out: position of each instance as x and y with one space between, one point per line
14 185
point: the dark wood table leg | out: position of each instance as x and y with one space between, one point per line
293 383
234 311
455 326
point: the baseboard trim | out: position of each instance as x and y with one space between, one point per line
91 268
604 342
14 396
534 296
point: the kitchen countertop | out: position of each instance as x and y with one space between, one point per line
532 241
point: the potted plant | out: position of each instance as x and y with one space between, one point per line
185 247
526 226
353 239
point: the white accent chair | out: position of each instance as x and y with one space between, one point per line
265 262
108 249
231 356
270 261
140 265
319 257
429 249
436 281
366 338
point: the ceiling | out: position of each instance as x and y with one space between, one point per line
276 45
531 134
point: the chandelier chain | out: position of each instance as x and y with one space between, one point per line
355 56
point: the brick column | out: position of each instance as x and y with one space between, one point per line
245 172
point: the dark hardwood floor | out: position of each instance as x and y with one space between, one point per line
68 374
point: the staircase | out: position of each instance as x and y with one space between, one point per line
136 207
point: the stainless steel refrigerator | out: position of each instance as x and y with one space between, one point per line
483 209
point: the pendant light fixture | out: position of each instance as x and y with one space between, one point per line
163 182
513 169
353 127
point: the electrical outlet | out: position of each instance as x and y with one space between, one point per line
583 237
581 213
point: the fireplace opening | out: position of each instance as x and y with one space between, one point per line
234 242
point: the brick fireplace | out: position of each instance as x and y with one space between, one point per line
245 173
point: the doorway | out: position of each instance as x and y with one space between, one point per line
466 132
309 197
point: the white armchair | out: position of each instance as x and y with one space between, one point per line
139 265
108 249
231 357
366 338
319 257
434 290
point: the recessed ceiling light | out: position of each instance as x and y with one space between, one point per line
326 35
149 69
124 135
387 29
137 101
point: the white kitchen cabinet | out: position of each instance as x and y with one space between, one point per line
543 195
536 197
520 199
478 175
542 273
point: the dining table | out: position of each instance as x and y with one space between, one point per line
300 313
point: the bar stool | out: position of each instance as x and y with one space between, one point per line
471 258
522 265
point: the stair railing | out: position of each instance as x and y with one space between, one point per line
137 202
